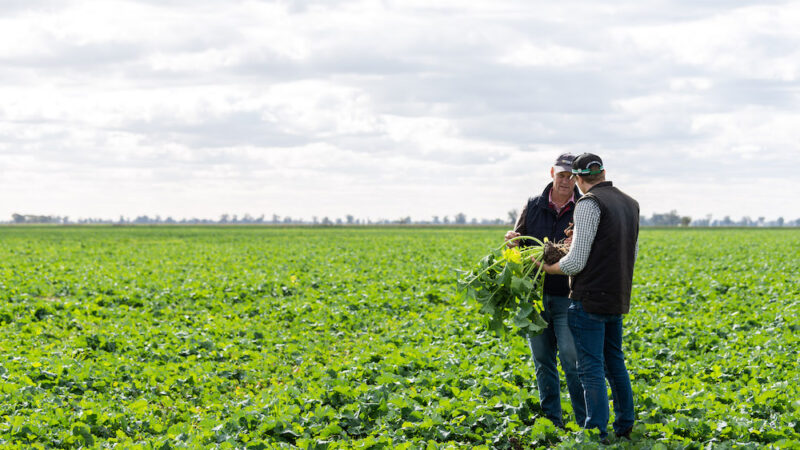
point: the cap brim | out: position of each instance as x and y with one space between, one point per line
559 169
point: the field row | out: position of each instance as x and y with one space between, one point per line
327 338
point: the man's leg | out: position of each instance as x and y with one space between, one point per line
618 377
559 307
588 331
543 348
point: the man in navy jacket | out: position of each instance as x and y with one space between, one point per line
548 215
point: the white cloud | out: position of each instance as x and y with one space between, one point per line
753 41
690 84
388 108
548 55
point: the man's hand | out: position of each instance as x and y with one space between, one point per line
568 232
552 269
511 235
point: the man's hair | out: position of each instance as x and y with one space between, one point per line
594 178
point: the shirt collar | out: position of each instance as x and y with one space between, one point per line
553 205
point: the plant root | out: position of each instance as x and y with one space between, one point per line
554 252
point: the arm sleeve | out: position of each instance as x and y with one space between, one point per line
586 219
520 226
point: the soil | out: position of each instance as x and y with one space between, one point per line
554 252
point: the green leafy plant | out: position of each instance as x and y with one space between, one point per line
353 337
508 285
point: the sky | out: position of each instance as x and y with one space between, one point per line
387 109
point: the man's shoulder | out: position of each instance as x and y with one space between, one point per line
535 198
536 201
588 202
543 196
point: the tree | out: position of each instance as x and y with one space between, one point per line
669 219
512 216
461 219
685 221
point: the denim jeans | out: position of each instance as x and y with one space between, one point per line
557 338
598 341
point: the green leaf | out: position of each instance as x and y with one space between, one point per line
518 285
330 430
504 279
496 324
538 324
527 284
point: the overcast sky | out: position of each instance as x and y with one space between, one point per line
386 109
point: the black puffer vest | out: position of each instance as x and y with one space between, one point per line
541 221
604 284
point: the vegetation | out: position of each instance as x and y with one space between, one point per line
508 285
173 337
670 219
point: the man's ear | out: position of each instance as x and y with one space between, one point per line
552 173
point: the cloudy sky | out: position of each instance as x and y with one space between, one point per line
386 109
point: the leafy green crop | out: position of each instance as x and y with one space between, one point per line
508 283
161 337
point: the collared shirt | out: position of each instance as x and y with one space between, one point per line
519 227
565 207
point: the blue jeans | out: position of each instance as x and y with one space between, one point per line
557 338
598 341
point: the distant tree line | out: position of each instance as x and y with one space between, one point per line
673 219
670 219
30 218
247 219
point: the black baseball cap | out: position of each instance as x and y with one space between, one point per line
587 164
563 163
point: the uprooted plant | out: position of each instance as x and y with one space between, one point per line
508 284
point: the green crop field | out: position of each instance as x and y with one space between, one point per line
354 338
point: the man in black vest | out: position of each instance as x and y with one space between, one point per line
600 261
546 216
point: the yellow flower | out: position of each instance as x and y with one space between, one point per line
513 255
293 279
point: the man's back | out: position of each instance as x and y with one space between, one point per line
604 285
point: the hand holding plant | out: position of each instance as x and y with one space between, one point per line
508 284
